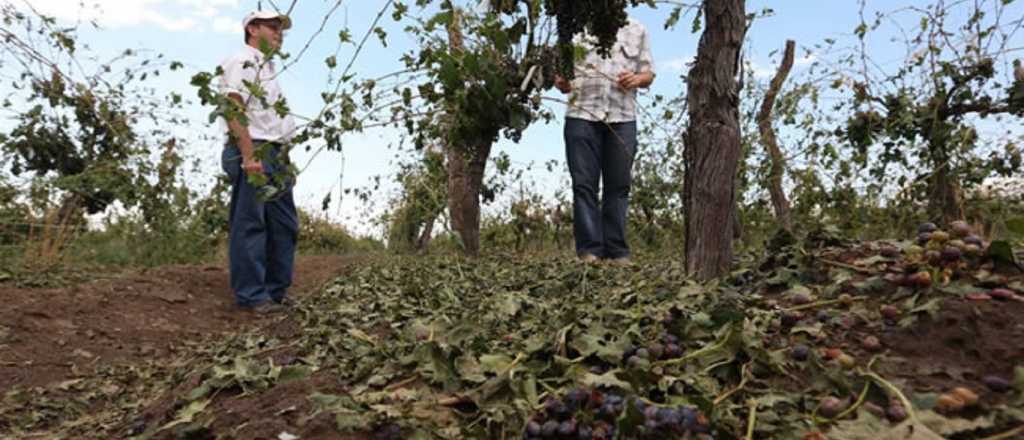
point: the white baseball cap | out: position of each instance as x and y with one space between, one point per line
286 23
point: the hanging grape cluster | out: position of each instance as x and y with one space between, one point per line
600 18
549 65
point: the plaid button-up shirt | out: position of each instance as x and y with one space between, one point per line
596 95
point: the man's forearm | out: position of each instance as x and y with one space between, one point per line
240 132
646 79
241 135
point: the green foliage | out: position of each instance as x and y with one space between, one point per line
923 117
12 214
529 225
80 138
419 204
78 145
319 235
480 76
12 232
78 131
187 230
655 206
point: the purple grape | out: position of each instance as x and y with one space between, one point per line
549 429
533 428
951 253
669 417
689 416
800 352
556 408
651 424
673 351
577 398
607 411
996 383
896 413
636 362
567 428
823 316
790 319
390 431
656 350
628 350
651 413
584 432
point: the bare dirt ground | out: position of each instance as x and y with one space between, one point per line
50 335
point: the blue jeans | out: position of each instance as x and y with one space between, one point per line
599 152
262 237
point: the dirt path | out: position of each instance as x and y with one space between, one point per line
52 335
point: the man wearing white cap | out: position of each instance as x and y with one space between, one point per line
263 221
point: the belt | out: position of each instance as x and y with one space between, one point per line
228 143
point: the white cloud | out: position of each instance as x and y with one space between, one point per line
213 3
172 24
170 15
207 11
227 25
761 71
678 65
805 60
682 65
758 70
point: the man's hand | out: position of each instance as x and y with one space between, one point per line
252 166
240 135
631 80
562 84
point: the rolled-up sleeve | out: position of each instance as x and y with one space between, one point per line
645 63
236 77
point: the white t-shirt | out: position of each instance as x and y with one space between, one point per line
246 72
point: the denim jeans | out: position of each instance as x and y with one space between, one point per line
599 152
263 233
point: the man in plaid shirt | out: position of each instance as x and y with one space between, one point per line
601 140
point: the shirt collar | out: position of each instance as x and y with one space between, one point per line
254 51
259 56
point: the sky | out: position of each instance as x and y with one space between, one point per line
200 33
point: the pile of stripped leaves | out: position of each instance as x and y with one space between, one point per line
545 347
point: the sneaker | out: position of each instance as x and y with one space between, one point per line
621 262
267 308
589 258
287 302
